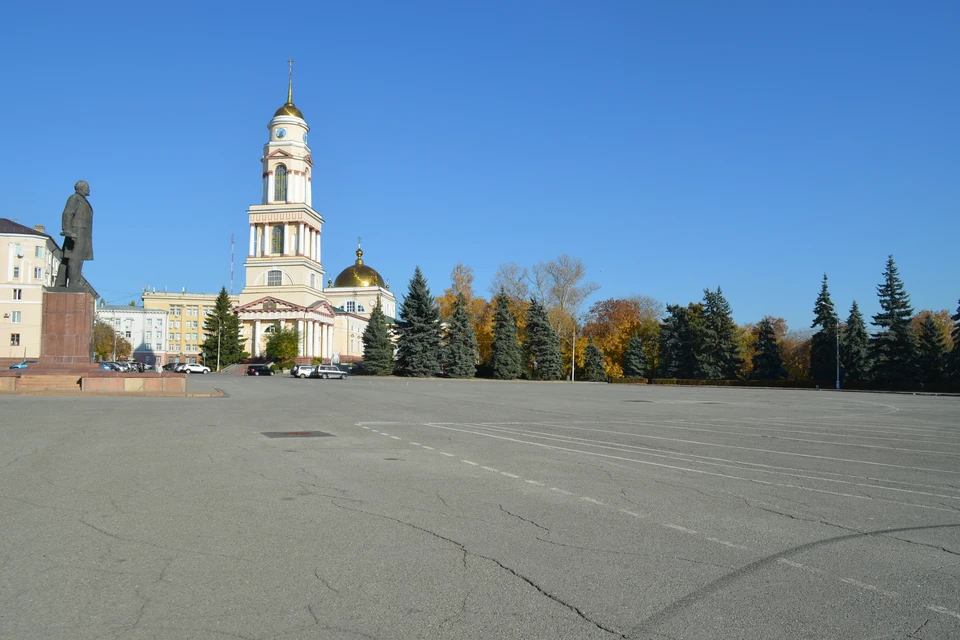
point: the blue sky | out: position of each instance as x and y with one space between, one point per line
670 146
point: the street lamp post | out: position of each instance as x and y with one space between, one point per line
838 351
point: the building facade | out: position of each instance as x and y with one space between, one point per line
184 324
30 259
144 329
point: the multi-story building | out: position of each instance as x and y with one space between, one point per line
29 259
144 329
184 323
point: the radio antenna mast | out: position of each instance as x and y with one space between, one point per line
231 264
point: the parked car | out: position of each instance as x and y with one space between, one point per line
179 367
328 371
171 366
302 371
24 365
195 368
259 370
114 366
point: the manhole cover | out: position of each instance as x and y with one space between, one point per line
297 434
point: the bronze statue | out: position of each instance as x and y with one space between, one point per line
77 238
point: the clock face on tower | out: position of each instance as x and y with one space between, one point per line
281 133
304 138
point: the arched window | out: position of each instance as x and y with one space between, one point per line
350 306
276 244
274 278
280 183
360 308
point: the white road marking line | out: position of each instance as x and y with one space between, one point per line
566 493
509 475
426 447
729 544
862 585
396 437
679 528
534 482
367 428
632 513
476 464
592 501
416 444
490 469
946 612
443 453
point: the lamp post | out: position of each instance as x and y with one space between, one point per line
838 351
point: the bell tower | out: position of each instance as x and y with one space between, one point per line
283 258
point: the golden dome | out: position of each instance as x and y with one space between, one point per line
359 275
288 110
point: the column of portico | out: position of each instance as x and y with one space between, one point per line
253 240
301 241
256 339
301 348
267 231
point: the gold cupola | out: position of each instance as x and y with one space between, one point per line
359 275
289 109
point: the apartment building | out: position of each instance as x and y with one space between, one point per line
184 323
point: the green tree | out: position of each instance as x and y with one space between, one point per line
460 348
719 345
420 344
507 354
103 336
893 349
767 362
284 344
223 338
823 343
541 344
595 369
680 341
854 364
931 351
377 346
635 359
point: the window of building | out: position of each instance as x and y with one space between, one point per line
116 322
274 278
18 294
16 317
276 245
178 337
149 322
38 252
350 306
149 335
126 334
170 338
280 183
14 339
37 273
16 272
175 309
360 308
313 281
176 324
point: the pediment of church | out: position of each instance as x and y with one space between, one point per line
280 153
309 160
268 304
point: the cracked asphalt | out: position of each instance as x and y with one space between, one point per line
480 509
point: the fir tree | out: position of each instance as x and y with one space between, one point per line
460 349
420 344
854 365
593 364
635 359
767 362
931 351
507 360
222 324
823 344
680 341
542 346
377 346
719 348
953 360
893 349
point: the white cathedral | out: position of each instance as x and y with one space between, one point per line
284 271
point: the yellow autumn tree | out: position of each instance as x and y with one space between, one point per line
461 281
611 323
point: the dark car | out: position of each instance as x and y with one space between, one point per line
259 370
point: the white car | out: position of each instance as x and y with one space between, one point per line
193 368
328 371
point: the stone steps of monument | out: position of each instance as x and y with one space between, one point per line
49 383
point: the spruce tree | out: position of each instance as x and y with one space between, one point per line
893 349
541 345
680 341
953 360
823 344
225 324
460 348
377 346
635 359
420 345
719 350
767 362
931 351
507 359
593 364
854 364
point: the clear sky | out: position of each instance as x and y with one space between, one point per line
671 146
